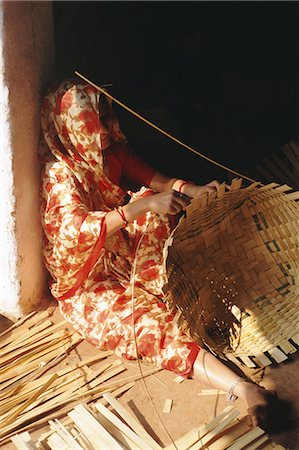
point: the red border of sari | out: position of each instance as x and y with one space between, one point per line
91 260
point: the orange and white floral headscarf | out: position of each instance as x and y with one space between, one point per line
75 133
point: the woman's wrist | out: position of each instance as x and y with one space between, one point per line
182 186
136 209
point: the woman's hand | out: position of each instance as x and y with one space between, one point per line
169 202
195 191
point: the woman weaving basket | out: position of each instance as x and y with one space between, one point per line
94 236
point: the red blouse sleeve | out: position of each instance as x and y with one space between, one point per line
131 166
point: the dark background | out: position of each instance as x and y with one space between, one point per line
221 76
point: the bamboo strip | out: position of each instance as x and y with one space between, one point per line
121 427
61 405
293 196
277 355
192 437
48 340
64 434
121 437
21 340
212 434
287 347
229 436
19 323
84 427
295 338
52 414
95 391
167 405
132 422
32 358
186 441
96 427
9 339
13 416
45 328
258 443
57 387
85 444
246 439
24 388
93 359
56 442
179 379
23 441
66 421
133 377
205 392
32 371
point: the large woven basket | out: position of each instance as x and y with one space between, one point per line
232 268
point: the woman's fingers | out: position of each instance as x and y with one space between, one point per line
181 200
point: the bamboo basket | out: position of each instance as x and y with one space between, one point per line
232 266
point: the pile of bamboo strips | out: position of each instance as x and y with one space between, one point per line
97 427
33 390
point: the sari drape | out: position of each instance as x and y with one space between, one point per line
91 274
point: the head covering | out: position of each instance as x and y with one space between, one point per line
77 132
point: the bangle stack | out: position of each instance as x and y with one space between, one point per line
120 211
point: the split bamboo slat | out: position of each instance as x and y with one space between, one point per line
232 269
33 390
95 427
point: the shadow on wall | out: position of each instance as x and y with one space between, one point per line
222 76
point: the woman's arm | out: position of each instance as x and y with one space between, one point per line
168 202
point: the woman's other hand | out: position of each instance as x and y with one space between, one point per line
196 191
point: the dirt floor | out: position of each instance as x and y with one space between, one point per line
190 409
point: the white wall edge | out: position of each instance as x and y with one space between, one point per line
9 280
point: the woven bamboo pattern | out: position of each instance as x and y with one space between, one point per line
232 267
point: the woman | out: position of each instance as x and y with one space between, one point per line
94 237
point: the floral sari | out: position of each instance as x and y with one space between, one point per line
108 303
